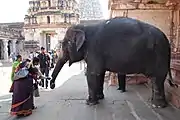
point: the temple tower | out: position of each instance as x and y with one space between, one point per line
90 10
46 22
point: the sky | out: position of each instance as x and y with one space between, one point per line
15 10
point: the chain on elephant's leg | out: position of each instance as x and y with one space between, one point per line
158 94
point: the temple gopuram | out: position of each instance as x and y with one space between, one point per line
164 14
47 21
90 12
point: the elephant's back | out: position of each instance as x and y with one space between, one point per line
126 27
124 40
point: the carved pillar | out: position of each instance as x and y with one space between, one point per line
41 41
5 43
14 46
171 34
178 31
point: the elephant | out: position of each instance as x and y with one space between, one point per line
122 45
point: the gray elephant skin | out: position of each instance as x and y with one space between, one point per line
121 45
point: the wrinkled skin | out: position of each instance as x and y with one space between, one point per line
121 45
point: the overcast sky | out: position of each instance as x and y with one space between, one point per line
15 10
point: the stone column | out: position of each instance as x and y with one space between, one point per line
178 31
5 43
14 46
41 41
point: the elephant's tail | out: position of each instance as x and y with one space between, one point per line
170 79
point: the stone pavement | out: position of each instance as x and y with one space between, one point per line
5 79
68 103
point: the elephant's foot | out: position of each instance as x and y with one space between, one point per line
91 102
100 96
119 88
122 90
159 103
52 85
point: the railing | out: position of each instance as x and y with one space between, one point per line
59 24
55 8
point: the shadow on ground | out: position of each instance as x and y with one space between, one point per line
68 103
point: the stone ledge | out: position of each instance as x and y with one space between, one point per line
173 95
139 6
136 79
175 68
130 79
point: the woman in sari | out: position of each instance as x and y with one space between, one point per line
22 98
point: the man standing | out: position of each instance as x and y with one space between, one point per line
44 61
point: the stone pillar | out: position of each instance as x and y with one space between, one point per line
178 31
41 41
14 46
5 43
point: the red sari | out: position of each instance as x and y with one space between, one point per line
22 98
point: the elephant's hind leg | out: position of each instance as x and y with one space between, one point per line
158 94
122 82
100 94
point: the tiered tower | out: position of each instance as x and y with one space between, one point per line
90 10
47 21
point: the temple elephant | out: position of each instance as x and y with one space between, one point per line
121 45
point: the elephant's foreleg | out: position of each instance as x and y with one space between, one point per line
100 94
92 88
158 93
122 82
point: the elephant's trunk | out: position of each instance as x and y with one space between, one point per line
60 63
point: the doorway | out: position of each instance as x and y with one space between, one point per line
1 48
9 48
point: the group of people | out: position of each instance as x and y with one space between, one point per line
25 80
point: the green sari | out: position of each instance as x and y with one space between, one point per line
14 66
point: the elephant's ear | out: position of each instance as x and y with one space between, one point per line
80 39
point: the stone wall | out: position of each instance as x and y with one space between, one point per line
159 18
